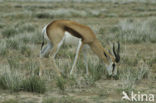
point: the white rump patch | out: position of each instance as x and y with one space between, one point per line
44 32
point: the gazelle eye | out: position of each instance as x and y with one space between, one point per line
113 65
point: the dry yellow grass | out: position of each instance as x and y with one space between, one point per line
20 40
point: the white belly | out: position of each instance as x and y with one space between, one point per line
70 40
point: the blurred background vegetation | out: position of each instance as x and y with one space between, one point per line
132 22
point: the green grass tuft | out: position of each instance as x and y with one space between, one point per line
12 44
26 51
15 82
134 32
61 83
43 15
64 99
33 84
9 32
10 80
3 49
10 101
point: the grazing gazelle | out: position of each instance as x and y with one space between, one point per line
59 30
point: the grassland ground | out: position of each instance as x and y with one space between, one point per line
21 23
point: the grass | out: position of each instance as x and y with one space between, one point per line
27 28
12 44
130 61
130 76
36 37
3 49
9 32
130 22
43 15
61 83
135 31
34 84
96 71
11 101
12 80
65 99
15 83
26 51
2 25
13 62
152 61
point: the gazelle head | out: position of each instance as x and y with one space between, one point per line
112 66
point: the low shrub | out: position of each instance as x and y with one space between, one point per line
9 32
10 80
12 44
11 101
61 83
64 99
15 82
135 32
3 49
33 84
43 15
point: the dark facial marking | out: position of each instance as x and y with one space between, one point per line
73 32
113 65
105 54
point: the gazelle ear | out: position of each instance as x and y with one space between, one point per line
110 52
110 49
105 55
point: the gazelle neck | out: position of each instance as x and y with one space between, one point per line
99 50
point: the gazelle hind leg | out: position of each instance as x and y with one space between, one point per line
41 60
76 56
45 51
55 50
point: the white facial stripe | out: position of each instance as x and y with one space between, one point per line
115 71
109 68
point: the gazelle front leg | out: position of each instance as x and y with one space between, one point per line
80 45
46 51
84 50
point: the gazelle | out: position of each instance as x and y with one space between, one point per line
59 30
